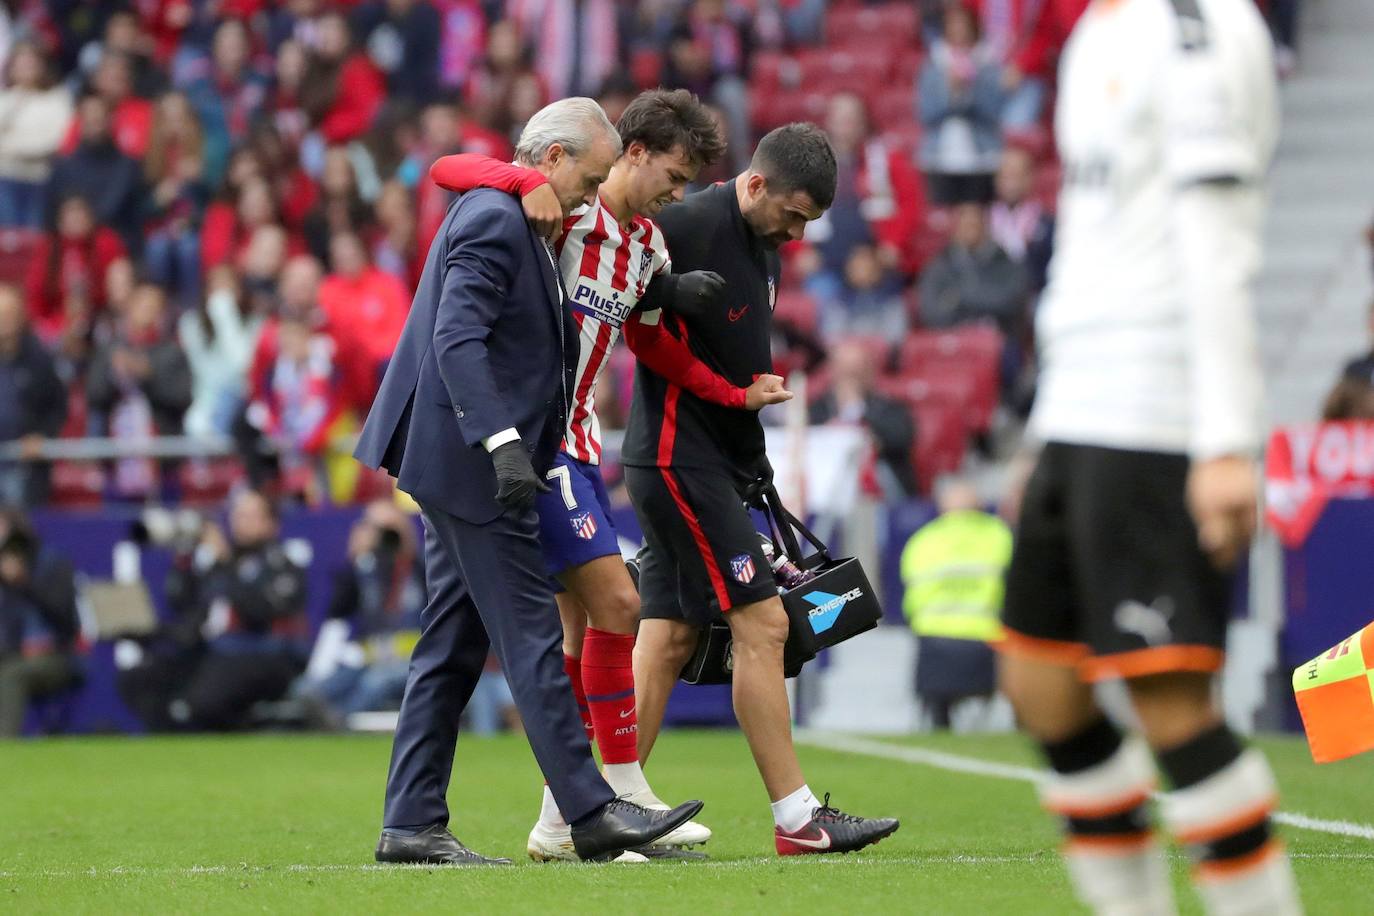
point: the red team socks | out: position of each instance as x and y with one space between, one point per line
574 668
609 684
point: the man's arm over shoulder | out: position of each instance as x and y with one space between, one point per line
465 171
483 256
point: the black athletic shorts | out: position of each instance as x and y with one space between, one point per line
704 554
1106 573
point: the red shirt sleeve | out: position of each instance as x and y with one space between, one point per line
663 352
466 171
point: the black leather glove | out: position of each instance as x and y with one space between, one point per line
515 478
691 295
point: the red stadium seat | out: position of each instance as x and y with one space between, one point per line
948 389
941 442
969 357
16 248
888 24
207 481
832 70
907 66
773 70
892 106
77 484
75 427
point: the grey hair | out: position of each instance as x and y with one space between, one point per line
571 123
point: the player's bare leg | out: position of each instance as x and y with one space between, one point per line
661 650
574 618
1099 783
1221 798
600 612
551 838
759 692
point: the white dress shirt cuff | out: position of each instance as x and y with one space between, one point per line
496 440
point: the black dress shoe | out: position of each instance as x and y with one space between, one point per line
621 824
432 846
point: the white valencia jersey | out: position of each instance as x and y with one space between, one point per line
605 270
1161 104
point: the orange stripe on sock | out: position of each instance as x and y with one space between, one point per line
1225 869
1117 844
1119 805
1050 651
1158 660
1235 823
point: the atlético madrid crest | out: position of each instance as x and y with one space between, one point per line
584 526
772 294
742 568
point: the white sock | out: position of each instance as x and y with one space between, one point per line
626 778
549 815
794 812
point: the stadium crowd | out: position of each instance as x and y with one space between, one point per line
213 213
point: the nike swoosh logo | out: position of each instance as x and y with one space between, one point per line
625 714
822 843
737 314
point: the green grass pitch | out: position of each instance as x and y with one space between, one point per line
287 824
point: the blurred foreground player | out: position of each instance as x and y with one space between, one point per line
469 418
688 463
1144 493
610 252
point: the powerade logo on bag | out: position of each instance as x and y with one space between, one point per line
827 607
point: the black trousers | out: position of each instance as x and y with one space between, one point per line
488 590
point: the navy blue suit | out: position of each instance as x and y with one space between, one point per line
489 345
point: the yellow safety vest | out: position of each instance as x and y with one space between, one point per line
952 569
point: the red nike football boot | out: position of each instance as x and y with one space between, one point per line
831 830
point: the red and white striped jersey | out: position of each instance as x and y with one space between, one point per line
605 270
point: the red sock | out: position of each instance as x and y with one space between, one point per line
609 680
574 668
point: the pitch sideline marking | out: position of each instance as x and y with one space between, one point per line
957 763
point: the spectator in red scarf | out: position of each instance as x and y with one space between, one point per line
229 97
65 284
342 90
369 301
174 171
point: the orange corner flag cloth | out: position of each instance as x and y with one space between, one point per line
1335 693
